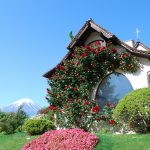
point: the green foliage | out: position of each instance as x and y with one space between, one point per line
14 141
71 83
134 109
37 126
12 122
123 142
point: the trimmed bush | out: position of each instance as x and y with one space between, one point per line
64 139
134 109
37 126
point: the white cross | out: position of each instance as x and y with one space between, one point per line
137 33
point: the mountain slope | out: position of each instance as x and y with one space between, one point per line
30 107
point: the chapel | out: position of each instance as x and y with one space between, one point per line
115 85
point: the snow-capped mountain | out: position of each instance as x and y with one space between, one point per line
29 106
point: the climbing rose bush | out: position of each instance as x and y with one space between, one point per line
64 139
73 80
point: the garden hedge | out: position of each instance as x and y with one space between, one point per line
134 109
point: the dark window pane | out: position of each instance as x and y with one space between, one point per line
113 88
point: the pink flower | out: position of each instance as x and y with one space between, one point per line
69 139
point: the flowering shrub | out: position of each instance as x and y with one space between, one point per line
72 81
64 139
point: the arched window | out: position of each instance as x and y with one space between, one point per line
113 88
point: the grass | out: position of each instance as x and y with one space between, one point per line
123 142
14 141
107 141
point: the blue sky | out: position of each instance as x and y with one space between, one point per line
34 35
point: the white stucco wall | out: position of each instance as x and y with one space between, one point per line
138 79
93 37
141 48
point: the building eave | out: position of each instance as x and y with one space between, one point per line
90 24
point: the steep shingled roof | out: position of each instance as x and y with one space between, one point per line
89 26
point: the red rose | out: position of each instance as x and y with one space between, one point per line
97 53
103 48
96 43
113 50
92 50
86 103
60 67
98 48
87 109
79 101
127 54
55 95
72 54
84 54
87 47
95 109
51 107
75 89
122 56
112 121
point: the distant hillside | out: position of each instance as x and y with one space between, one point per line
29 106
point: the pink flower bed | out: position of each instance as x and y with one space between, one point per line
64 139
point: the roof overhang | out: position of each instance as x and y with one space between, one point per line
88 27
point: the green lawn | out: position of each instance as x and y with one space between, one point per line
123 142
14 141
107 142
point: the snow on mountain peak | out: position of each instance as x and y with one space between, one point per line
22 101
29 106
